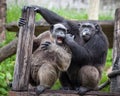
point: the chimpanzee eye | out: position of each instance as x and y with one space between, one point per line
89 26
83 25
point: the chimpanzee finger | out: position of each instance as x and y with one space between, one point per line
22 22
44 44
47 42
36 8
25 8
44 48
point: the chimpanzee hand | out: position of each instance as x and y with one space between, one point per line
36 8
21 22
46 45
69 38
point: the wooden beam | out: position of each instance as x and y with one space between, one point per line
8 50
62 93
43 26
24 51
115 81
39 27
107 26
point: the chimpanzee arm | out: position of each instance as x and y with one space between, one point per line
62 55
49 16
78 52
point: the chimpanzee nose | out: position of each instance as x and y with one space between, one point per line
86 30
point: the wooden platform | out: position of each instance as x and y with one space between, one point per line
61 93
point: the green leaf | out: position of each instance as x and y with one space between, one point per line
2 75
3 91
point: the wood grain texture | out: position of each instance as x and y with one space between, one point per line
41 26
8 50
62 93
24 51
115 81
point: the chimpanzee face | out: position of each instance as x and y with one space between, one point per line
58 32
87 30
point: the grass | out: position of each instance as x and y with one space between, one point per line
7 66
107 66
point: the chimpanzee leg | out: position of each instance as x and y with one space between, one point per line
47 75
65 82
89 78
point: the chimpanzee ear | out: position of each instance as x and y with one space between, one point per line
98 27
51 28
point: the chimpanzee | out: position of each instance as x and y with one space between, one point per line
50 58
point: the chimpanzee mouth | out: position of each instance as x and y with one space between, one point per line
60 40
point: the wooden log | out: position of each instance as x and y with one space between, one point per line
2 19
115 81
62 93
41 26
8 50
24 51
107 26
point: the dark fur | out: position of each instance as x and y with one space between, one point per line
88 58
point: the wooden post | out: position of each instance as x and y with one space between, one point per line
93 11
24 51
115 81
2 19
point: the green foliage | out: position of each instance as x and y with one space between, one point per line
7 66
105 17
109 59
72 14
6 74
9 37
103 80
13 14
107 66
56 85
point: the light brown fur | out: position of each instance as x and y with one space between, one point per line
89 76
47 64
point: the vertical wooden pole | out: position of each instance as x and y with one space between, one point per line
24 51
2 19
115 81
93 11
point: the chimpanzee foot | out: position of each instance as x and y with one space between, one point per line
82 90
40 89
